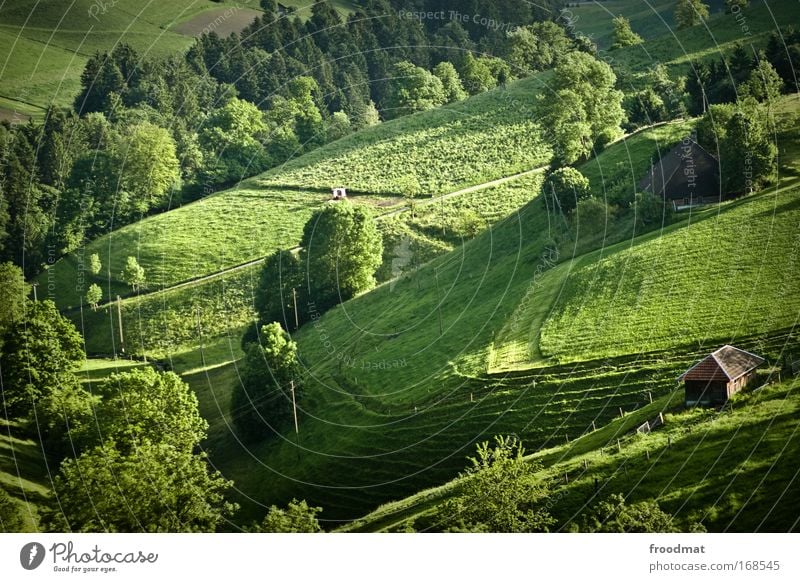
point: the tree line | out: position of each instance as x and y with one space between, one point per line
147 134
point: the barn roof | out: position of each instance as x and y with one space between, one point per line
669 176
726 364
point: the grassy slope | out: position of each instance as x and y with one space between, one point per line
648 19
433 152
726 275
717 36
166 324
732 471
23 473
479 285
46 44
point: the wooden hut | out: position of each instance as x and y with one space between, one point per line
339 193
718 376
685 176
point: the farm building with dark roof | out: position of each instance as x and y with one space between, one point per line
685 176
718 376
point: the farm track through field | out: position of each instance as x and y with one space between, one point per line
384 216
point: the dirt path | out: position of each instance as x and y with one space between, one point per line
391 213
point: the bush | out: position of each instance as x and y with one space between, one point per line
564 188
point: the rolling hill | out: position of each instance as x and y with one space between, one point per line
532 327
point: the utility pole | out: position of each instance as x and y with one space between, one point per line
294 409
294 300
119 320
35 285
439 300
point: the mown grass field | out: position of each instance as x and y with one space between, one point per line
24 473
722 276
717 37
732 471
394 405
425 154
173 323
47 43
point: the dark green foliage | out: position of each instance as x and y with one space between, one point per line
583 110
499 493
764 84
261 403
613 515
711 127
156 488
735 6
298 517
341 250
748 152
651 209
623 34
40 350
10 518
564 188
13 293
690 13
280 281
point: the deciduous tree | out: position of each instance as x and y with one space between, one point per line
133 274
298 517
155 488
94 295
623 34
564 188
690 13
262 401
500 492
341 250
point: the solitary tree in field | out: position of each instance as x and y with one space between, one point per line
261 403
94 295
341 250
94 264
133 274
690 13
623 34
564 188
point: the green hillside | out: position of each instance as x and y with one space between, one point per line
430 153
394 404
47 43
731 471
648 19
